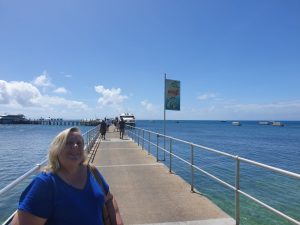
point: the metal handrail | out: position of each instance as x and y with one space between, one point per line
89 139
21 178
135 132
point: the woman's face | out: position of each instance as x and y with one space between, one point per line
72 153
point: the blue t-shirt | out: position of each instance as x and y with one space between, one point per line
48 196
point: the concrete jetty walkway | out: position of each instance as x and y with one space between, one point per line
145 190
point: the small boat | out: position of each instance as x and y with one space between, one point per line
264 122
275 123
236 123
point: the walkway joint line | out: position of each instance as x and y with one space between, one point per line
128 165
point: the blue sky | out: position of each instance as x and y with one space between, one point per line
76 59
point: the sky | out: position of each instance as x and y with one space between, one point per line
88 59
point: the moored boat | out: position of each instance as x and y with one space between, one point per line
264 122
236 123
13 119
276 123
128 118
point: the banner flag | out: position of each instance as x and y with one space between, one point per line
172 94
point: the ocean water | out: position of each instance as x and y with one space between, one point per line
272 145
23 146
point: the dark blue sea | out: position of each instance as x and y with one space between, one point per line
23 146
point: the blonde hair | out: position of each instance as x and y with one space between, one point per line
56 147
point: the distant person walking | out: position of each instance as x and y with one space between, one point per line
117 126
121 128
103 129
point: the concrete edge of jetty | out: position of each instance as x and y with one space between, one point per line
145 190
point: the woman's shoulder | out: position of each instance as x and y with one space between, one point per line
40 185
45 177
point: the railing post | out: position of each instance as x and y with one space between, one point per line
143 139
139 138
87 139
149 144
237 194
192 168
170 170
157 136
164 147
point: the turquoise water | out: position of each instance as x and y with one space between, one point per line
275 146
22 146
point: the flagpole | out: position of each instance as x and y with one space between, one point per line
165 119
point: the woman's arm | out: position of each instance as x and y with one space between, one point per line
25 218
113 210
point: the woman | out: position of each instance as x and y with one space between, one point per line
66 193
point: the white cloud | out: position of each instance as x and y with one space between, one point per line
261 107
18 93
149 106
206 96
289 110
60 90
49 101
43 80
269 108
65 75
110 97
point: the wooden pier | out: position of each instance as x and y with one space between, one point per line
145 190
